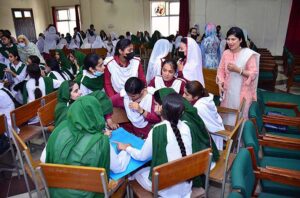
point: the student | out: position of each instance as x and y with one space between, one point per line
7 47
167 78
53 70
16 68
160 51
64 63
38 86
201 138
196 94
190 61
77 37
167 141
139 106
32 59
79 140
120 67
91 78
77 61
69 92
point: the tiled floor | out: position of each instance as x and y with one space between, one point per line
12 186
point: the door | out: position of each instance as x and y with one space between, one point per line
24 23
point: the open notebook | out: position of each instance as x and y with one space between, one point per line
121 135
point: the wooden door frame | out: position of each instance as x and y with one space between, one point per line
22 9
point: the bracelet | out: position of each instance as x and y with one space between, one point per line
241 72
142 112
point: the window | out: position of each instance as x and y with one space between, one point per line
165 17
66 20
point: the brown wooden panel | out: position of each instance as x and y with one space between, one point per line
47 113
210 81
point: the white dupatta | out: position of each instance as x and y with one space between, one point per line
135 117
160 50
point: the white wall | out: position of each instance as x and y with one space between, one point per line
266 21
38 7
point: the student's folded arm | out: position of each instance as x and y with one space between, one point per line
145 152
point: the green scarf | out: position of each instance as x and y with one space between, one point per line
79 140
65 63
20 69
79 57
64 99
48 89
93 84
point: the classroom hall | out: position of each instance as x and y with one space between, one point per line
149 98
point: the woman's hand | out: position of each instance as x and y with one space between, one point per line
122 146
233 68
9 71
221 89
107 132
179 65
111 124
135 106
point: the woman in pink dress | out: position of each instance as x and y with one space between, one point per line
237 74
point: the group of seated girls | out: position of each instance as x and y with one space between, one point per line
84 109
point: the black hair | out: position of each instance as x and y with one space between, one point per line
34 72
193 28
134 85
127 33
91 32
172 63
15 54
157 98
195 88
184 40
92 25
172 109
121 45
35 59
54 65
102 34
91 60
121 37
237 32
75 28
7 35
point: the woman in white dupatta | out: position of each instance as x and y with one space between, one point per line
160 51
50 39
237 75
98 43
190 60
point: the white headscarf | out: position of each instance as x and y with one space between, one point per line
177 41
72 44
86 44
160 50
50 39
63 42
40 44
192 69
98 43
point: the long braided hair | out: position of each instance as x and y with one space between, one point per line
172 109
34 72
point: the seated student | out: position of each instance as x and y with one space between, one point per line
167 141
167 78
16 74
91 78
38 86
201 139
197 95
139 106
120 67
77 60
69 92
7 47
32 59
64 63
53 70
79 140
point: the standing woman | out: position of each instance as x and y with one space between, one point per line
37 86
168 140
120 67
190 61
237 75
210 47
160 51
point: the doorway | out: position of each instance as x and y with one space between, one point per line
24 23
